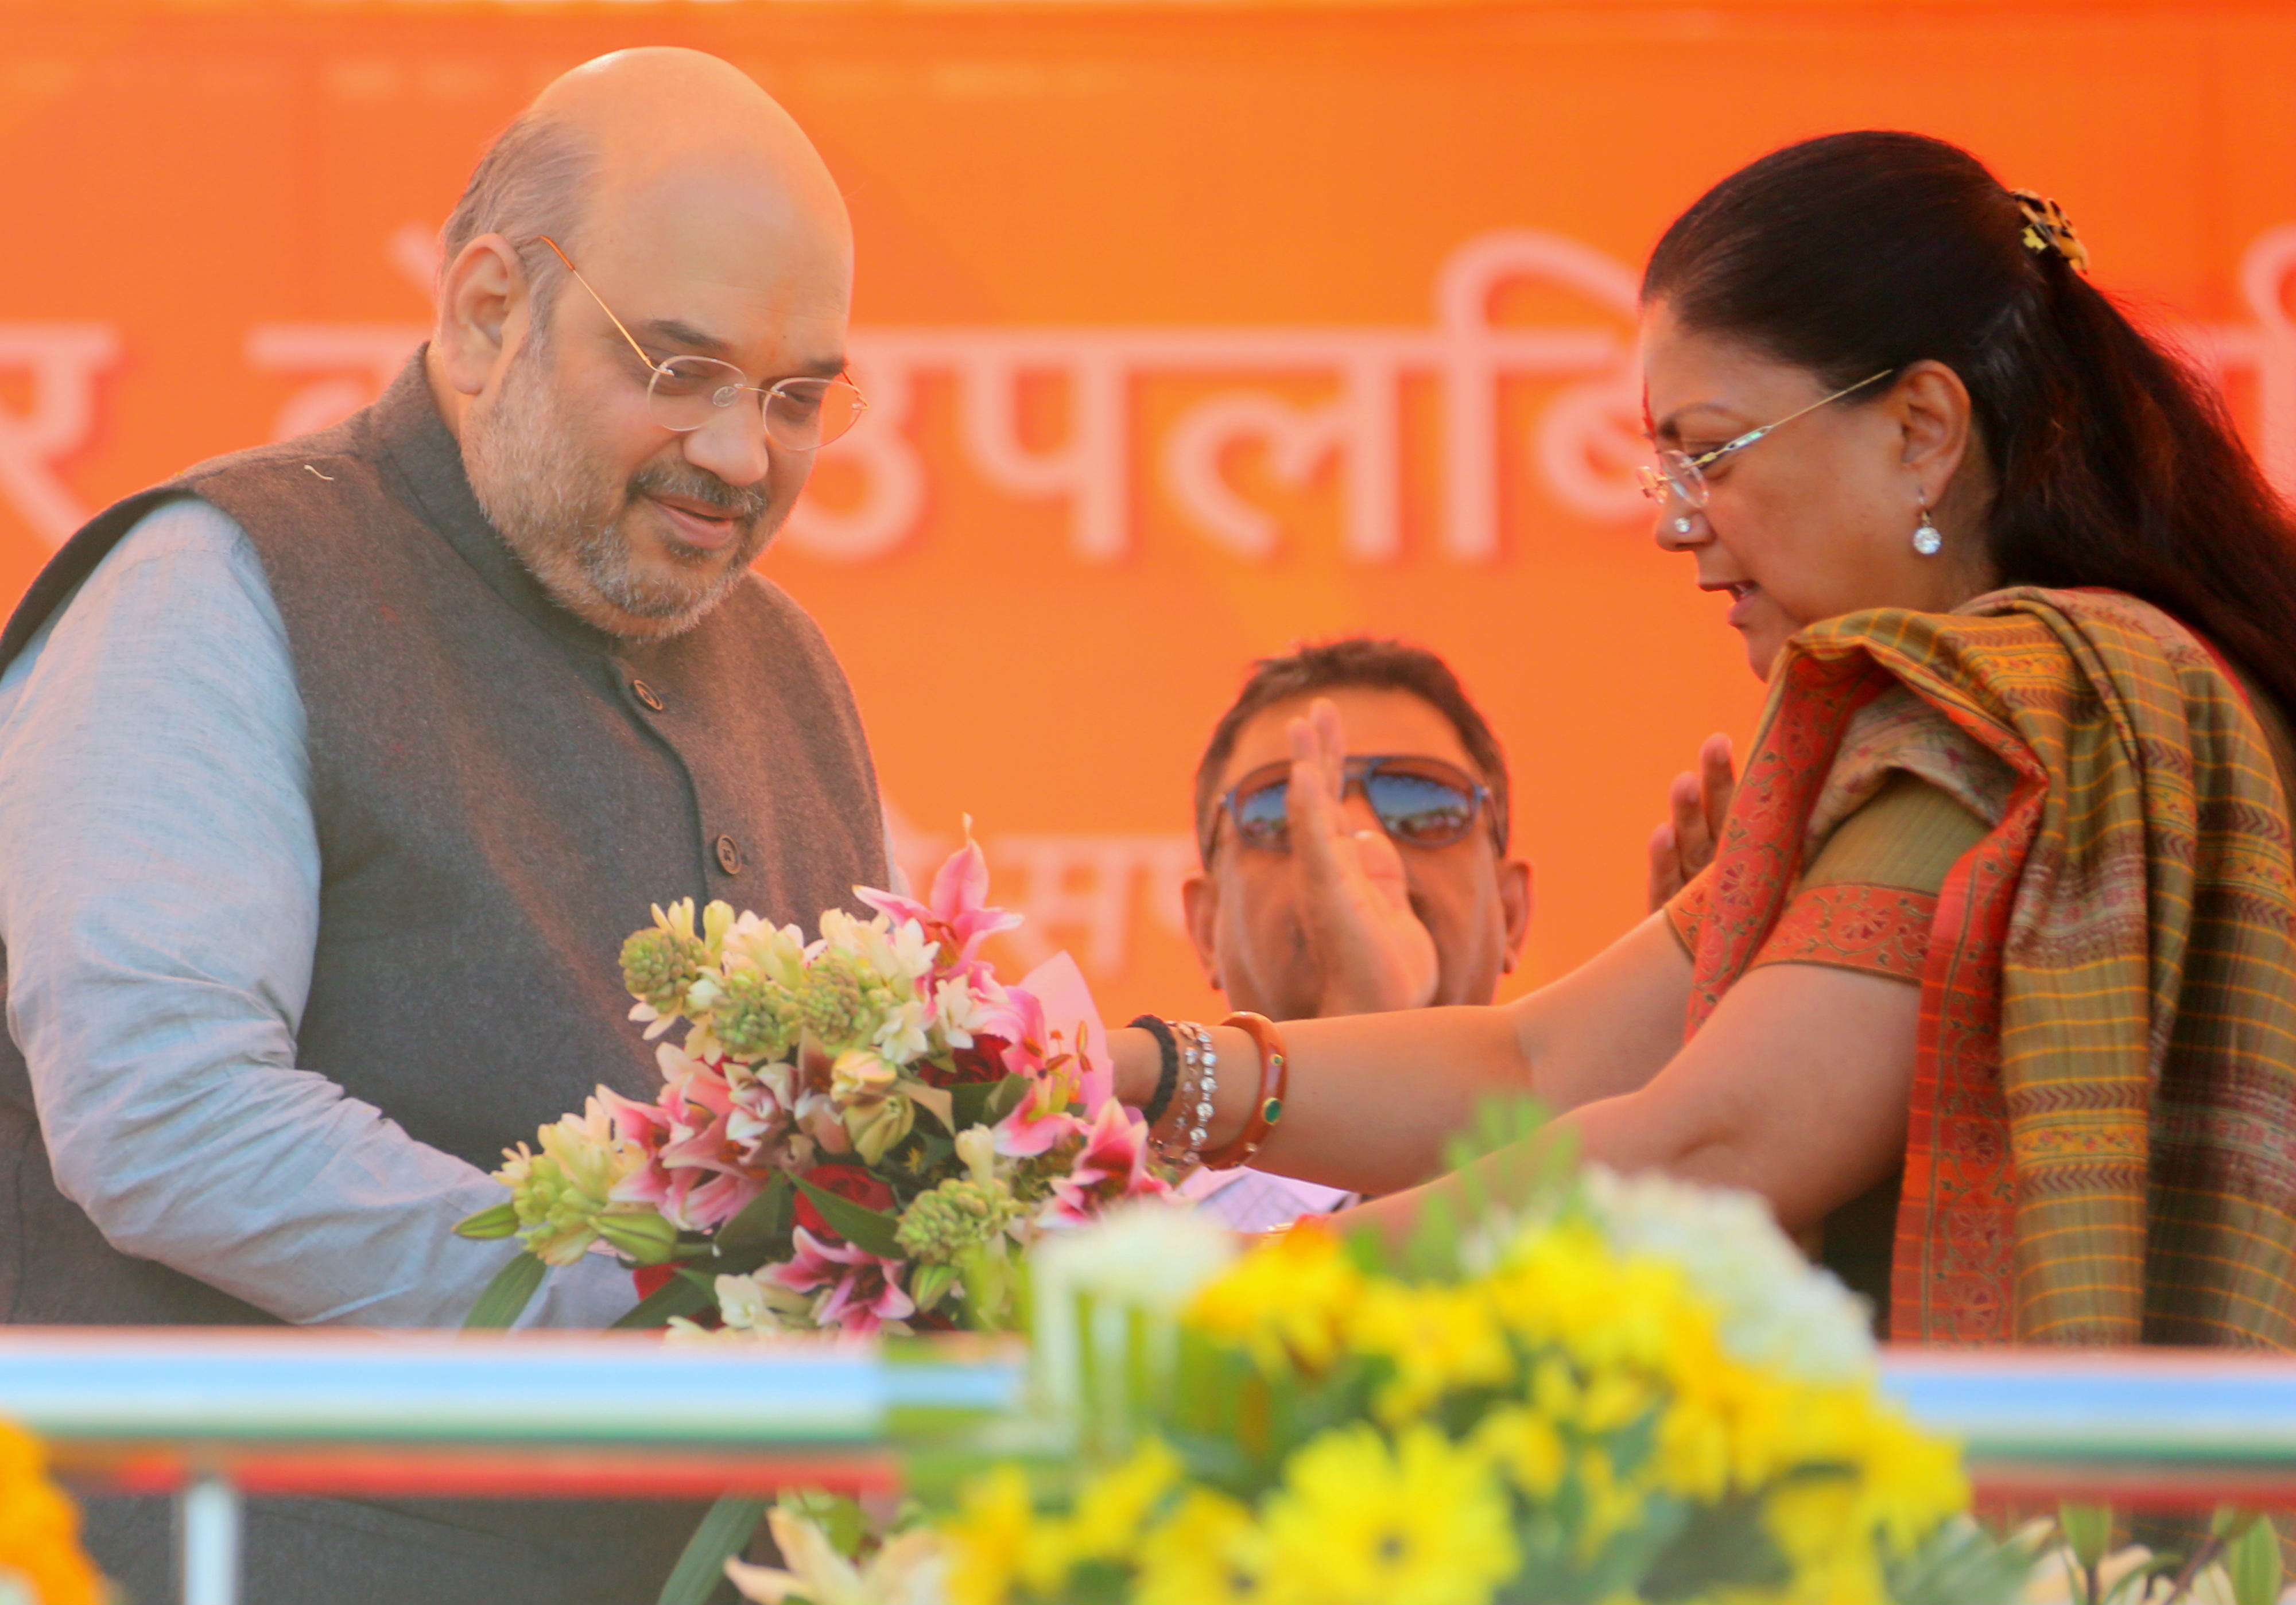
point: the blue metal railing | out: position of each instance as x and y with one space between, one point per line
211 1416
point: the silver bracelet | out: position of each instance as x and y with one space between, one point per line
1170 1148
1196 1113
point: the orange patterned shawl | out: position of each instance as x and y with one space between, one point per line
2103 1141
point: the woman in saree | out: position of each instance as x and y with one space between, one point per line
1988 986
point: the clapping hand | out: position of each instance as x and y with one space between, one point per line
1685 844
1371 950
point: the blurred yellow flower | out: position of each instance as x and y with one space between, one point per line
1283 1303
1114 1506
1356 1523
39 1529
1440 1339
1206 1554
996 1541
1524 1444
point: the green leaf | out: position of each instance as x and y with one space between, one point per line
506 1297
700 1571
986 1102
687 1295
2088 1532
760 1232
1963 1564
865 1229
2252 1561
500 1221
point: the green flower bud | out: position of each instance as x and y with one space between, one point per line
646 1239
958 1214
500 1221
658 965
843 1001
756 1017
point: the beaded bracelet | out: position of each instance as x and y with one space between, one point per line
1196 1119
1168 1068
1170 1147
1199 1080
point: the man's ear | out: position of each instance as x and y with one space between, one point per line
1514 907
483 305
1200 902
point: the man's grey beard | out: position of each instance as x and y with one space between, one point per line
564 519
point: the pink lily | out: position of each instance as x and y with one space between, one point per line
957 917
1057 990
1113 1166
865 1290
699 1174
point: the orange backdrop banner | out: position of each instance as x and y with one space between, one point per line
1191 332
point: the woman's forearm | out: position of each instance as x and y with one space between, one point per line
1370 1097
1373 1097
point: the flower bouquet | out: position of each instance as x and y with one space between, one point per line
852 1133
1595 1389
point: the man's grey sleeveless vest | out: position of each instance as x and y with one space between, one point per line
501 792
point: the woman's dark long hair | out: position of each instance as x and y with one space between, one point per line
2114 464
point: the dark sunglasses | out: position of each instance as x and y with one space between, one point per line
1421 802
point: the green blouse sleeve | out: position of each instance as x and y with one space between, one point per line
1908 835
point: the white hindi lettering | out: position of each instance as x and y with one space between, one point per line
1581 445
63 362
2265 349
345 365
1084 885
1587 444
1081 886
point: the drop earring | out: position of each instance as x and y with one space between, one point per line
1927 541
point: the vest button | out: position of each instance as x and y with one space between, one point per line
645 693
729 856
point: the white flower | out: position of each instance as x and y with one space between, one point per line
777 950
1145 1255
1773 1307
841 932
960 1011
901 1037
976 1150
751 1304
913 951
907 1571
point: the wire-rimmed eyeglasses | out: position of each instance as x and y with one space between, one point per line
799 415
1680 474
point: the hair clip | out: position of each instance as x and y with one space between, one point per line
2047 227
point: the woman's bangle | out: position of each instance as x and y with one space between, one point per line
1274 1078
1192 1110
1167 1071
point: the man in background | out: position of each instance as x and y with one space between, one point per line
1420 905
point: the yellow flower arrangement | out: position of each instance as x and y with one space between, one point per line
1602 1393
40 1558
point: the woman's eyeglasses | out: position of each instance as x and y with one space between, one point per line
800 414
1680 474
1420 802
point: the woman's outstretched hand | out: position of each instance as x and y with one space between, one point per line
1685 844
1369 948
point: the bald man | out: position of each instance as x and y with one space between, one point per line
334 772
